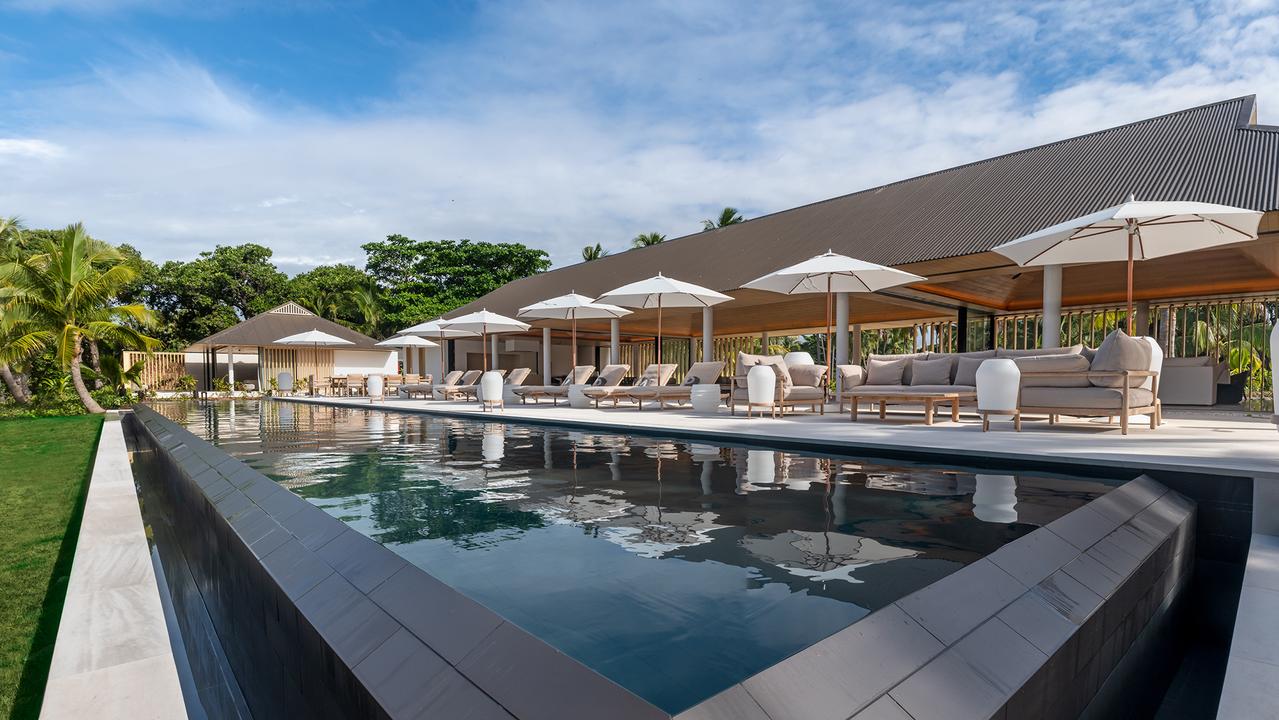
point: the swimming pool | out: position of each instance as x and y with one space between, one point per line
674 568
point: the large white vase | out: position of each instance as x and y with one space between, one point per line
490 390
998 382
761 386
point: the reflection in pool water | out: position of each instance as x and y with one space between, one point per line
675 568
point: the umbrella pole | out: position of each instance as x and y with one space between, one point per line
659 329
829 367
574 338
484 349
1132 322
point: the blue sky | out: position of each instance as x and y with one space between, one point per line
315 127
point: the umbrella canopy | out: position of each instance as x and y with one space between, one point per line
1134 231
831 273
571 307
435 329
313 337
407 341
660 291
485 323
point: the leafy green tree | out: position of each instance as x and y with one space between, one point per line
115 375
423 279
727 216
327 290
368 304
593 252
12 240
646 239
68 287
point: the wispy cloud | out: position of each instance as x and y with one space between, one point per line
559 126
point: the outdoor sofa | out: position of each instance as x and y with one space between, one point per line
798 385
701 373
578 376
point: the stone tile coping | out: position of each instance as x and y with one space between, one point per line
978 642
1252 673
112 657
417 646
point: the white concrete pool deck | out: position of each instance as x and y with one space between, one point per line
1196 442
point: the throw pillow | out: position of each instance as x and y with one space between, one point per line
644 382
1119 351
599 382
885 372
807 375
931 372
690 380
568 380
966 371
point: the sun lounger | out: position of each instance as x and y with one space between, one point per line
608 383
702 373
579 376
454 391
425 387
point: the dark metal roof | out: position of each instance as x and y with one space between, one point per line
288 319
1212 153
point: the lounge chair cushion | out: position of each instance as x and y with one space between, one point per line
1084 398
1072 350
1055 364
886 372
707 373
934 371
799 393
966 370
1121 352
807 375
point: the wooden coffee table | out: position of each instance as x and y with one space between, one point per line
929 400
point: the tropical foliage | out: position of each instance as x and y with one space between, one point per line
727 216
593 252
62 289
647 239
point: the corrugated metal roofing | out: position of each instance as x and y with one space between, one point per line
1209 153
288 319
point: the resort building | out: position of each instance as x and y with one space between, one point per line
943 226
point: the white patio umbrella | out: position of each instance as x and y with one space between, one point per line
485 323
1134 230
434 329
660 291
316 339
831 273
571 307
407 342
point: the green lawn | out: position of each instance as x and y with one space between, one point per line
44 469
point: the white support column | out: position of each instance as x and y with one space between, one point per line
1052 306
546 356
614 341
841 332
708 334
230 367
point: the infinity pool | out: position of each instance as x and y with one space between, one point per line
674 568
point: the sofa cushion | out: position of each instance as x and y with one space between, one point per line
933 371
1202 361
909 357
798 392
886 372
966 370
807 375
851 376
1086 398
1119 351
1053 364
909 389
1072 350
746 361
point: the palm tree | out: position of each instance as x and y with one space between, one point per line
67 286
646 239
593 252
369 307
727 216
11 320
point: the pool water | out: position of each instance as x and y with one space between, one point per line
675 568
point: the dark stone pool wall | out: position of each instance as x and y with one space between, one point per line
1033 630
318 621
